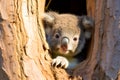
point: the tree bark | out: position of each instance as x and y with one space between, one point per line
24 53
109 61
103 62
23 48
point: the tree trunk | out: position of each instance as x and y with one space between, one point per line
24 52
108 57
23 49
103 62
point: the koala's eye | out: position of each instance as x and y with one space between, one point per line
57 35
75 38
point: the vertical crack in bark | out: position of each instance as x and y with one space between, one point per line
21 37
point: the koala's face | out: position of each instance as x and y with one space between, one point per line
63 33
64 40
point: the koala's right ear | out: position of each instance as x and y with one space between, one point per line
88 25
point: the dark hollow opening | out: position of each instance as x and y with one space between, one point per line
77 7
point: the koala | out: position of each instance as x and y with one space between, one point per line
66 35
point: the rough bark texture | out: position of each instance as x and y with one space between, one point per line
109 61
103 62
24 51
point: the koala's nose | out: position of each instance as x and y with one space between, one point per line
64 43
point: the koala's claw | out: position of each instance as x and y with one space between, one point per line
60 62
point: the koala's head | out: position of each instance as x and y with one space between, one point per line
66 33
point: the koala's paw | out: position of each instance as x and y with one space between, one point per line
60 62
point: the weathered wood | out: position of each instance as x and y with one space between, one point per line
108 58
23 48
103 62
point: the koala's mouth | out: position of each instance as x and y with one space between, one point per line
64 51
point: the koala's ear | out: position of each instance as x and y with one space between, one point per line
49 17
88 25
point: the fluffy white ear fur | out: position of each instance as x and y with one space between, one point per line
48 18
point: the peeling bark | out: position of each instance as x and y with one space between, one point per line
23 48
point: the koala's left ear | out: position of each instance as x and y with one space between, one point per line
88 25
48 19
